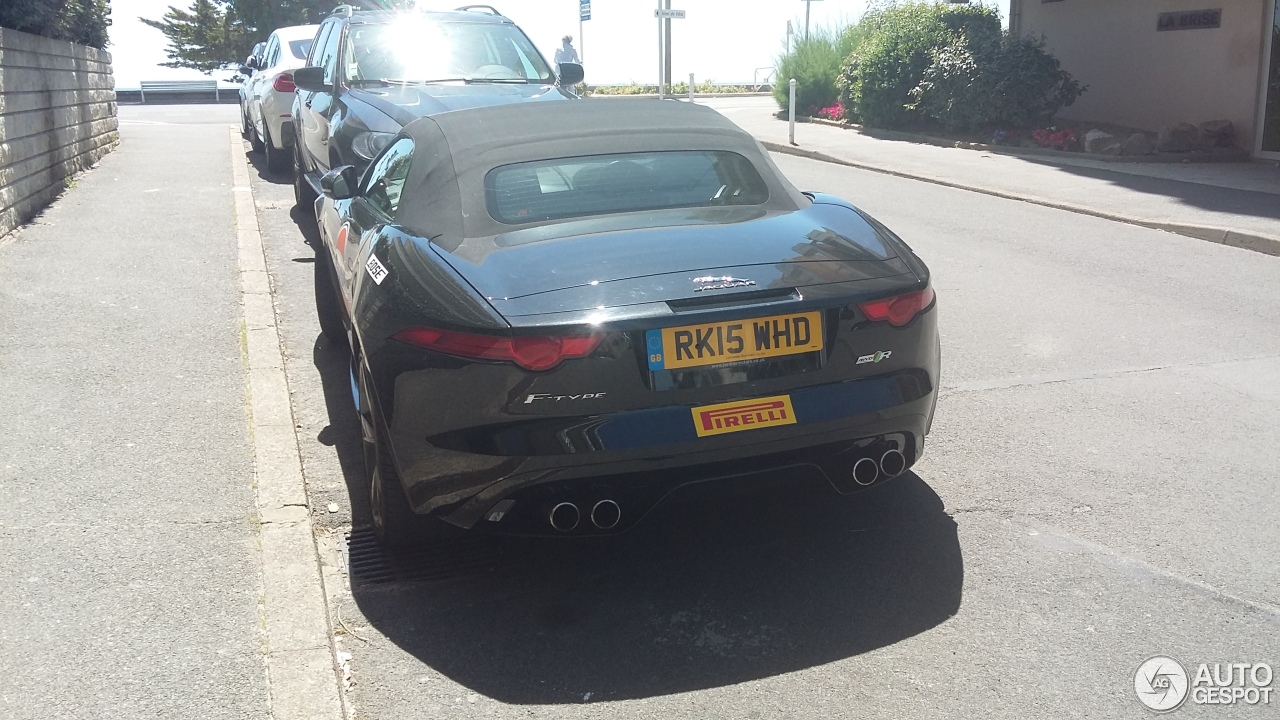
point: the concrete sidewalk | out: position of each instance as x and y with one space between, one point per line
131 579
1233 203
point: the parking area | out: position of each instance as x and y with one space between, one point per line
1099 488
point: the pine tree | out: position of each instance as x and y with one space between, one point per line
206 37
214 34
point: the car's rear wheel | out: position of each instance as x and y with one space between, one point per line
277 160
303 195
395 524
328 305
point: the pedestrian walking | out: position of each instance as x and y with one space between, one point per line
567 53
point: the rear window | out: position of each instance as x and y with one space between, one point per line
300 48
603 184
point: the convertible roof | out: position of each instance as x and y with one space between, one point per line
453 151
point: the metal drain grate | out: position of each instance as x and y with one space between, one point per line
370 563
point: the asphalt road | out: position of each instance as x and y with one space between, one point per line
129 574
1100 487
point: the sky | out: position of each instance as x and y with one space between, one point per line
726 41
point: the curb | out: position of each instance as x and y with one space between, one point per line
302 679
1222 236
898 135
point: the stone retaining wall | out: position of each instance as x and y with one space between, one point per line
57 117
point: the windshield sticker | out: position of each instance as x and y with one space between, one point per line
376 269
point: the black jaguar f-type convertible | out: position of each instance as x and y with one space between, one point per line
560 313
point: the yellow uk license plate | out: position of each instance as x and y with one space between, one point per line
688 346
743 415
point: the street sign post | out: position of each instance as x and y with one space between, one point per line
584 14
665 16
807 4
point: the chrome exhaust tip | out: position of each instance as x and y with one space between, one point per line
605 514
892 463
564 516
865 471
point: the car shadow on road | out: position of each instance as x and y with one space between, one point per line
259 163
724 583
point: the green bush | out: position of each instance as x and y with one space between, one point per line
78 21
899 45
1011 82
815 65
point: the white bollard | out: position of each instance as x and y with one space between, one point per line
791 112
690 87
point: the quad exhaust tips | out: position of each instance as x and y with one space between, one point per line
865 471
564 516
605 514
892 463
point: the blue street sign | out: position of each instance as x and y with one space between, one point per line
584 9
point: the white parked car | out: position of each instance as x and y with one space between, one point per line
270 93
251 62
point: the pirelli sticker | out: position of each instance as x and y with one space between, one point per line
743 415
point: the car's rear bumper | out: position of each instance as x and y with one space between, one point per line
276 113
645 454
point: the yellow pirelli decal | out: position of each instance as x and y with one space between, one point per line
743 415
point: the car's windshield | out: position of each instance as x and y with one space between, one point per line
416 50
300 48
601 184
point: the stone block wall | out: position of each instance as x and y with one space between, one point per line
57 117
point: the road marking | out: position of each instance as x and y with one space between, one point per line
1058 539
301 675
1033 380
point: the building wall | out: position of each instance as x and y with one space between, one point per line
57 117
1144 78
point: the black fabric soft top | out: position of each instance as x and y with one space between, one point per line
444 196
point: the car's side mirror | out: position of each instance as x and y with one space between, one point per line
310 79
340 183
246 70
571 74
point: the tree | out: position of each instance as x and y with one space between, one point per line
212 34
78 21
205 37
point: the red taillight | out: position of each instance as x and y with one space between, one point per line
284 83
528 351
898 310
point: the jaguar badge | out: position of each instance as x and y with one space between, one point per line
722 282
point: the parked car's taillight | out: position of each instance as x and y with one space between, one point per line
284 83
898 310
532 352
